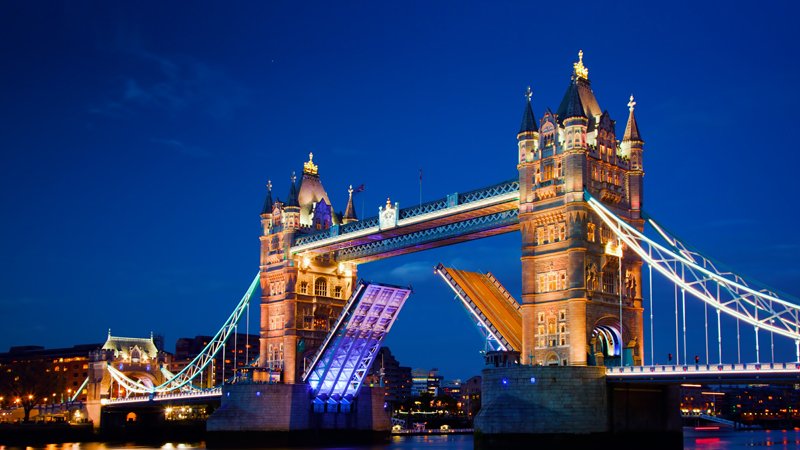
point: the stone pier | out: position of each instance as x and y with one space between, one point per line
270 415
575 406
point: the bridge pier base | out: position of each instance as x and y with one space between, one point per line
573 406
274 415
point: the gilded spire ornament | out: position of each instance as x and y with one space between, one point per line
580 70
309 167
631 104
529 94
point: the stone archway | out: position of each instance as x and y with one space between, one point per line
607 341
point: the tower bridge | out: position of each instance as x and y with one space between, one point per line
577 202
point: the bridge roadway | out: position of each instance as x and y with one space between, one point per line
694 373
708 373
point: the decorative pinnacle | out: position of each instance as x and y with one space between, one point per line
580 70
529 94
309 167
388 203
269 185
350 191
631 104
293 177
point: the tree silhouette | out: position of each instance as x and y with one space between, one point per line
28 383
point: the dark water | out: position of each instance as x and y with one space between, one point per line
693 440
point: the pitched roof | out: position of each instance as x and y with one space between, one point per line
582 88
268 203
632 129
122 346
528 119
292 199
571 105
350 211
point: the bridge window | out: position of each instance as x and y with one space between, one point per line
337 292
304 287
562 280
590 232
562 232
539 236
562 314
321 287
548 172
541 318
552 282
610 282
551 234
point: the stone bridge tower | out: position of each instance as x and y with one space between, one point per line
301 298
571 281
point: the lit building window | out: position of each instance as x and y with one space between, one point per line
562 232
551 234
590 232
539 236
321 287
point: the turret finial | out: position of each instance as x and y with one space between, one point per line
528 94
269 185
293 177
631 104
580 70
309 167
350 190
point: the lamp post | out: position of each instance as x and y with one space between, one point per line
616 250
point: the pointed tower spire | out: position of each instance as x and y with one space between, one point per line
350 211
528 119
632 129
573 107
292 200
268 203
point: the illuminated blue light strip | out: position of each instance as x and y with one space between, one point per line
349 350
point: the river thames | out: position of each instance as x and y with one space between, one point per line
693 440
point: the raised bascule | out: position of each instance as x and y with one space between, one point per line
569 357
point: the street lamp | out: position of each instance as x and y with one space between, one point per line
616 250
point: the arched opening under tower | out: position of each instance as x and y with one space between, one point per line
606 344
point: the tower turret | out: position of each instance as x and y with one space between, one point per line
350 211
575 124
528 136
633 146
266 210
291 209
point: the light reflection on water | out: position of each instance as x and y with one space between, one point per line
693 440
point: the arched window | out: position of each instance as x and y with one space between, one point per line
337 292
321 287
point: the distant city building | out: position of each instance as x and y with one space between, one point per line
755 403
425 382
240 350
71 364
396 379
451 388
471 396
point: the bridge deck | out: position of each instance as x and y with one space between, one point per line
346 355
489 302
710 373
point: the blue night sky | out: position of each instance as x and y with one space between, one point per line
137 140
